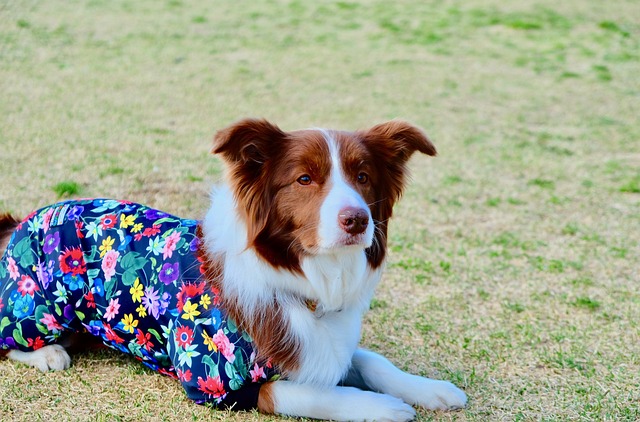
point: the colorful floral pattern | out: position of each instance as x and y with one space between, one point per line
130 275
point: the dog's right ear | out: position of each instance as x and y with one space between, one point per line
248 148
249 140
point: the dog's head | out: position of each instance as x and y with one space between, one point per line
317 191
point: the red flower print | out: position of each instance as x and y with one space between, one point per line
213 387
108 221
27 286
216 295
203 267
91 302
184 336
187 291
184 376
72 261
35 343
151 231
1 304
111 335
79 226
143 339
168 373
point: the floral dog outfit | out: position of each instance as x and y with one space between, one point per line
131 275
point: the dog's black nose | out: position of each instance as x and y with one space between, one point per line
353 220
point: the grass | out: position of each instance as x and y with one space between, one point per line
66 188
514 256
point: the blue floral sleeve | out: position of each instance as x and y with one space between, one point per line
212 358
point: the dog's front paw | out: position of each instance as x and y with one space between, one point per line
337 404
55 358
440 395
369 406
389 409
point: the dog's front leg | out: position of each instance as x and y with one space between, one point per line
371 371
335 403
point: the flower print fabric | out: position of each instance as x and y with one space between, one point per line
130 275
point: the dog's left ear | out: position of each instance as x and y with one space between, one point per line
398 140
391 145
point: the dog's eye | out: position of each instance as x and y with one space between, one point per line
305 179
363 178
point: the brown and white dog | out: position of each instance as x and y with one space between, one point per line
304 214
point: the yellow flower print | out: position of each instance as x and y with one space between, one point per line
205 301
106 246
137 227
136 291
126 221
129 323
209 342
190 310
142 312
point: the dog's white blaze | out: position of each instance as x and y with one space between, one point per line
340 195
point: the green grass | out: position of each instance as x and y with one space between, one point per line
66 188
514 255
632 185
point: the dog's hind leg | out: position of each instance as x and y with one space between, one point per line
52 357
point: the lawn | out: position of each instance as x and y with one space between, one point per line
515 254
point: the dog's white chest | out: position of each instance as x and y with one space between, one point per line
328 342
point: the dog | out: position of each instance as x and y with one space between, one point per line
259 304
